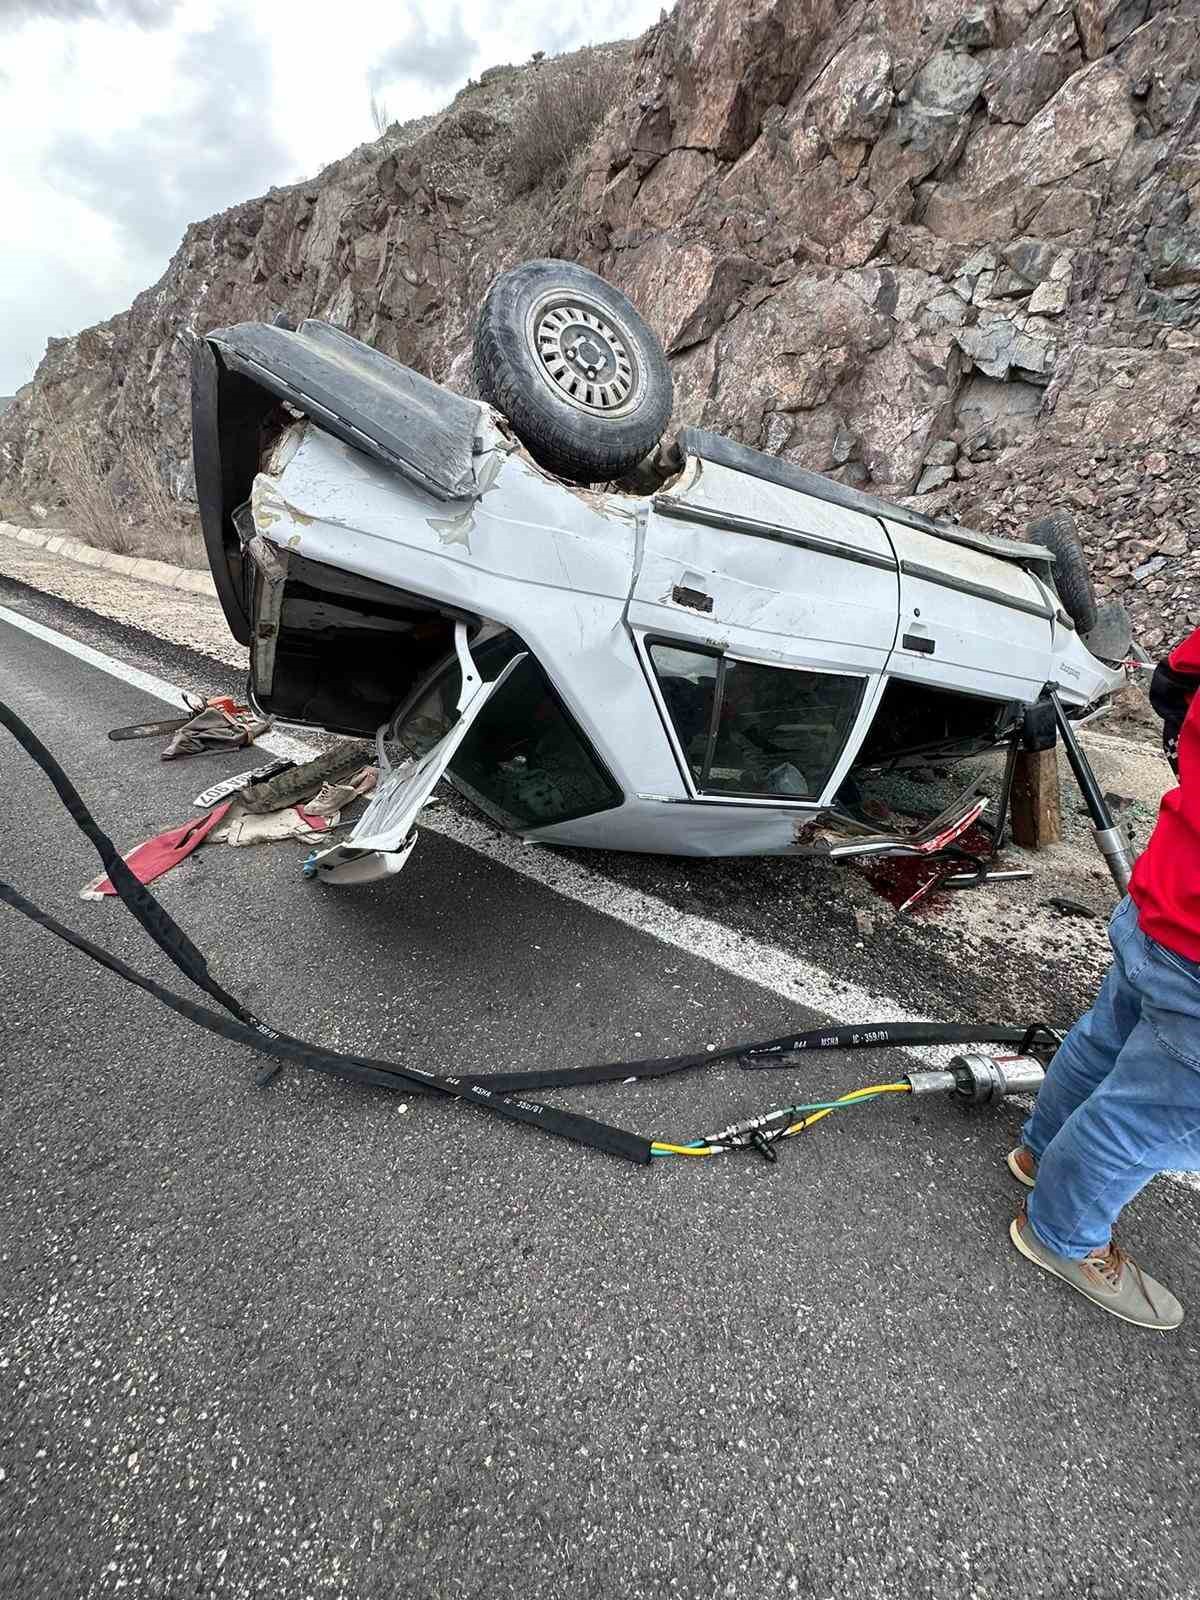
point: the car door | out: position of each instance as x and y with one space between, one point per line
737 563
969 621
767 616
383 837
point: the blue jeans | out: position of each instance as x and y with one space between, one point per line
1121 1100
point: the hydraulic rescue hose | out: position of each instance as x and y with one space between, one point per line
492 1092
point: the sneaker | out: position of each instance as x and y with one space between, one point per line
1108 1278
1022 1166
332 798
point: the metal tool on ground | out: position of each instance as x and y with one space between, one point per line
982 1079
972 880
975 1078
501 1094
150 730
195 703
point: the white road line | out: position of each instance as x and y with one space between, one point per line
275 744
96 658
781 971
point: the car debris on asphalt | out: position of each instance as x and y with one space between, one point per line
241 827
215 729
246 810
157 855
976 1078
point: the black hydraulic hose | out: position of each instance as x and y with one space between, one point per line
137 899
361 1069
488 1091
759 1054
241 1025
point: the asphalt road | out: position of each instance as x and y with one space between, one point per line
304 1342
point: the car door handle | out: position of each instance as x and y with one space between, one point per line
914 641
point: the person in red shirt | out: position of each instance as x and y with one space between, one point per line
1121 1100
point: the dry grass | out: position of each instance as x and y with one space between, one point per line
167 530
92 507
151 523
566 105
381 117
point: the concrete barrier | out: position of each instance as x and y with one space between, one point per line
55 542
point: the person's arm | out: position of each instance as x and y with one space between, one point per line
1175 681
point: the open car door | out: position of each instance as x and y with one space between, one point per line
384 836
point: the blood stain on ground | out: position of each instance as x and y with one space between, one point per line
897 878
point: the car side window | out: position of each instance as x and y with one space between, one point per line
750 729
688 681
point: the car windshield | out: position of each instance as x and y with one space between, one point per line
525 762
750 729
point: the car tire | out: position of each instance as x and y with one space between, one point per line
1072 579
568 360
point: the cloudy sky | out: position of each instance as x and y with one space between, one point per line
121 121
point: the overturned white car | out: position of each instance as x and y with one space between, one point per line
703 654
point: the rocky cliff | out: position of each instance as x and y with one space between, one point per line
944 248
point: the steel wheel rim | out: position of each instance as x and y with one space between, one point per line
584 354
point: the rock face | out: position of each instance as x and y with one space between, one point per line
948 248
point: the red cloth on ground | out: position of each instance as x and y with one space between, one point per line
153 857
1166 880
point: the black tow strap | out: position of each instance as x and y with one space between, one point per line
489 1091
242 1025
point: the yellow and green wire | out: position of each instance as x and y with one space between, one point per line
803 1116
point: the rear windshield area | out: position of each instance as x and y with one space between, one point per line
525 763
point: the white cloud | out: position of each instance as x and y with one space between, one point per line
433 56
185 160
143 13
123 120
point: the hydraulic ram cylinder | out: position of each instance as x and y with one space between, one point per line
982 1079
1111 841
